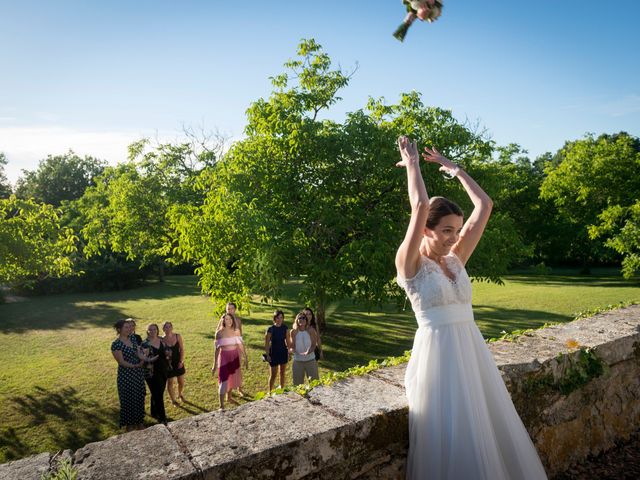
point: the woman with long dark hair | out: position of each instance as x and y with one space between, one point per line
276 349
462 422
314 330
156 374
174 348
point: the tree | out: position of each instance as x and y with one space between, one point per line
594 182
5 186
32 243
620 226
59 178
126 211
312 198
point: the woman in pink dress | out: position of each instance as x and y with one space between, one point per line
229 347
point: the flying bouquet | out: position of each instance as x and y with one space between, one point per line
428 10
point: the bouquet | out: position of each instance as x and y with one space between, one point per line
428 10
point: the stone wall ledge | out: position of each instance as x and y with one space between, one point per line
357 428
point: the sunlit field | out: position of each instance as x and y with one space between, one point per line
58 381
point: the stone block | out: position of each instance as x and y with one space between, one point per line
146 454
360 397
278 437
30 468
394 375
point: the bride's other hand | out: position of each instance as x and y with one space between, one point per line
408 151
434 156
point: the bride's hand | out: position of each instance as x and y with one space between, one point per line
408 152
434 156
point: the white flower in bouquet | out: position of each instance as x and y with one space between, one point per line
428 10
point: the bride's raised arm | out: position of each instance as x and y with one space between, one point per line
482 205
409 252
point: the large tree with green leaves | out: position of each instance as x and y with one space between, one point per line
126 211
313 198
59 178
594 185
32 243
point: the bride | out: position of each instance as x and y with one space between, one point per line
462 422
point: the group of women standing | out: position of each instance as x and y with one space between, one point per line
158 361
302 344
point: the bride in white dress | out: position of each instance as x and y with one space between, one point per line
462 422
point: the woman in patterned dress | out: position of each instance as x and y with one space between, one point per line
131 388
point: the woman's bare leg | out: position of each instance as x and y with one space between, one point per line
170 388
272 377
181 387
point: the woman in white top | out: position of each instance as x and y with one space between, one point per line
303 344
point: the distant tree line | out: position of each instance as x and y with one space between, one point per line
304 196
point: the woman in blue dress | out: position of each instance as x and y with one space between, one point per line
276 349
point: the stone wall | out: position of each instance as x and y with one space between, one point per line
573 403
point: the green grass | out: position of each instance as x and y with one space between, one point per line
57 381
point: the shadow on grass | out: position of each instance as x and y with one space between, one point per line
574 280
192 408
51 312
45 314
69 421
354 338
12 446
493 321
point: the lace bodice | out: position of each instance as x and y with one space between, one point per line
431 287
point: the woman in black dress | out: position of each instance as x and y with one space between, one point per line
131 390
175 361
156 371
276 347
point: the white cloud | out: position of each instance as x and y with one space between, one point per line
26 146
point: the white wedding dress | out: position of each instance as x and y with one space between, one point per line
462 422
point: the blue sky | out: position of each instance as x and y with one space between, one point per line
95 75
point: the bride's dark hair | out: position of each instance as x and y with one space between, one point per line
441 207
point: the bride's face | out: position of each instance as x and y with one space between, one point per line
444 235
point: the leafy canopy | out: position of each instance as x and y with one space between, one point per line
316 198
595 188
32 243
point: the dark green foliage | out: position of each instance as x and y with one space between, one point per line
105 272
59 178
127 211
33 244
594 184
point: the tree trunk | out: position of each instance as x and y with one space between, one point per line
161 271
321 306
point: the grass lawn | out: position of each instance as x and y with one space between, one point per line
58 378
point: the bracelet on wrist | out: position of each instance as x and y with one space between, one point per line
451 172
